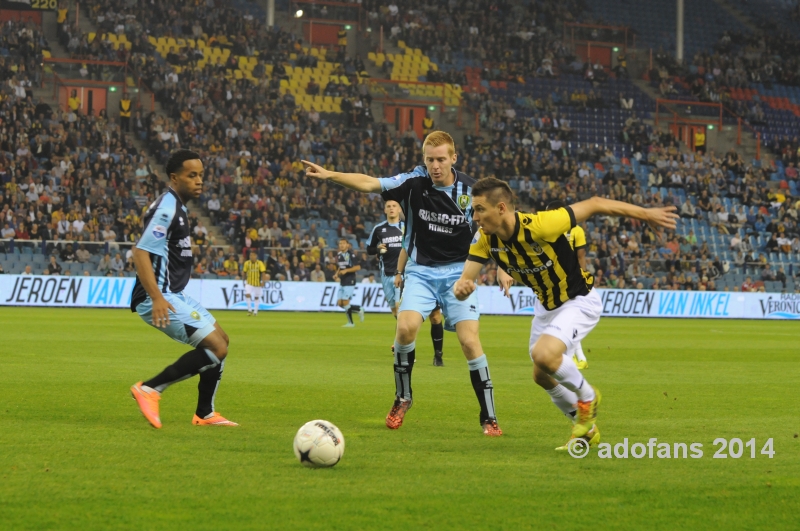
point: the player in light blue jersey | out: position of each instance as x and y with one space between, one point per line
437 203
163 258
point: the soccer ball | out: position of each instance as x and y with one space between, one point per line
318 444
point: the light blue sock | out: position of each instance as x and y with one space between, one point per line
478 363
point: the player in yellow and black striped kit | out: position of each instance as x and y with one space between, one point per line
254 272
534 250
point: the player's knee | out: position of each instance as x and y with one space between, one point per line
541 378
219 349
405 334
216 343
436 318
545 359
471 346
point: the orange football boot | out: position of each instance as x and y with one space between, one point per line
215 420
491 429
396 415
148 403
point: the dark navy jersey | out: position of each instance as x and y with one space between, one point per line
345 261
167 238
390 235
439 224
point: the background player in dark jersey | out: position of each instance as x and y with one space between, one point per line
437 202
163 258
346 275
386 240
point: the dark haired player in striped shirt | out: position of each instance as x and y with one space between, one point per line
533 249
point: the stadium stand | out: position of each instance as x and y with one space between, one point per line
254 101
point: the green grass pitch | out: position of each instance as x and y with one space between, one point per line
76 454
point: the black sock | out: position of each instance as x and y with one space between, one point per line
349 312
185 367
355 307
403 365
484 391
437 335
207 389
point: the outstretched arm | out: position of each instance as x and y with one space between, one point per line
655 217
355 181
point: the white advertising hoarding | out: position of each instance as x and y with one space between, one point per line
109 292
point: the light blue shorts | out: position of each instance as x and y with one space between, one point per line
190 323
427 286
389 291
346 293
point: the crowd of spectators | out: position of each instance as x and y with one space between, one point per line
65 175
91 184
511 39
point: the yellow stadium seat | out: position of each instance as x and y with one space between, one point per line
180 42
372 57
46 54
284 83
201 43
162 41
401 44
192 43
126 45
238 74
152 40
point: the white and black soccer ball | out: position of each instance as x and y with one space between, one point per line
319 444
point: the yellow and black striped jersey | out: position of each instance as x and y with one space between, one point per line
253 270
577 240
539 255
576 237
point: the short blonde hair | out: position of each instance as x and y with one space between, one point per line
440 138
